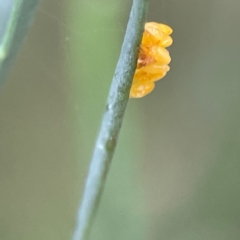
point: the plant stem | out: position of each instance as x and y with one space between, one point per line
112 120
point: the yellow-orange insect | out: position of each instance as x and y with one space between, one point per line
153 59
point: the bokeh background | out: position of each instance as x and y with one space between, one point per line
175 174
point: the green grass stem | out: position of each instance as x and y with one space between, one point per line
112 120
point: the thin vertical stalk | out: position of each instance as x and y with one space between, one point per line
112 120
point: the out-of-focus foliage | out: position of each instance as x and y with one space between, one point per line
5 12
15 19
175 175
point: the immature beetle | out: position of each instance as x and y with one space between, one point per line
153 59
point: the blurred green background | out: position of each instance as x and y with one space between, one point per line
175 174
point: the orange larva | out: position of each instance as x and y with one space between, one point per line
153 59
